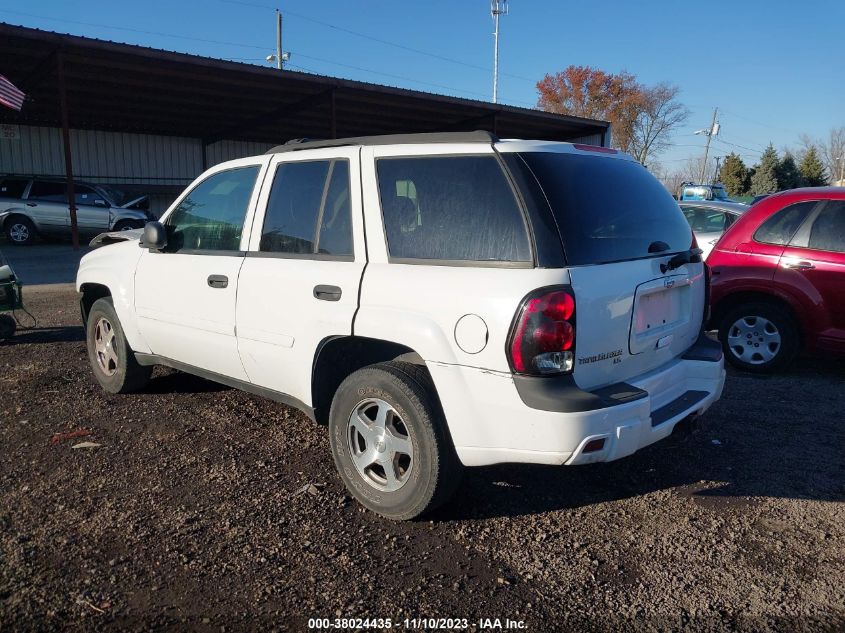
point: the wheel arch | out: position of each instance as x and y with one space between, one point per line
731 301
89 293
339 356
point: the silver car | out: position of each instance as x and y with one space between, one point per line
38 206
709 219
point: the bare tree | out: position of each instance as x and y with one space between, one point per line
833 153
659 114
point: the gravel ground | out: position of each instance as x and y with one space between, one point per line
208 509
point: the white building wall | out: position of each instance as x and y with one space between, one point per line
116 157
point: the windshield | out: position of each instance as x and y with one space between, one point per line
116 196
608 209
719 193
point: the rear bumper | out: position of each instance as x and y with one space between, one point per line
502 428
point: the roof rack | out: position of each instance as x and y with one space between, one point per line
478 136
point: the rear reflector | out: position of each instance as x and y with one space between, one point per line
594 445
595 148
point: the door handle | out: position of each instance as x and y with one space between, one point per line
327 293
31 204
218 281
799 265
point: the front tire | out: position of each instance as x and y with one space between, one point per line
20 230
128 225
390 442
111 358
759 337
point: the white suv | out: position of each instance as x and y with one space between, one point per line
438 300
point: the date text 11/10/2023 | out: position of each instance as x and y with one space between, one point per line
417 624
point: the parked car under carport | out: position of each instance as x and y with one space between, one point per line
33 206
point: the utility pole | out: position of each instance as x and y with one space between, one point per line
497 8
716 175
713 131
279 61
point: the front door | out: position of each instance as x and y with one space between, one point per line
92 210
815 262
300 278
185 294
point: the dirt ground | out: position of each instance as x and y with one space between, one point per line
195 513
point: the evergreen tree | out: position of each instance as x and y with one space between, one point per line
787 173
765 178
812 170
734 175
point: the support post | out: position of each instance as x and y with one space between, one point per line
334 115
71 195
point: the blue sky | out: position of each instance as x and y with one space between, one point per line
775 69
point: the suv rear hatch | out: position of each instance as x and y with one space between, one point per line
620 230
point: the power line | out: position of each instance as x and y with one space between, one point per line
379 40
261 48
750 149
126 28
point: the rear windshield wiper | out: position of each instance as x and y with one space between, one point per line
692 256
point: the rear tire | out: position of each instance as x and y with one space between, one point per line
390 442
20 230
111 358
759 337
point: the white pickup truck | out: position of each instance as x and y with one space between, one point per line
438 300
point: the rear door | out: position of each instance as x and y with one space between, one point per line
620 229
814 262
47 202
185 294
299 281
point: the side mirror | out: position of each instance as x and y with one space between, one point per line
100 203
155 236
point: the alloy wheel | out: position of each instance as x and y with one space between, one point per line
19 232
380 445
104 347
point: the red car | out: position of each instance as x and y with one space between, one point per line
778 280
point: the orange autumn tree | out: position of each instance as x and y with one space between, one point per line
596 94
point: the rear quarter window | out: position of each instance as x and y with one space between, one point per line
781 226
451 208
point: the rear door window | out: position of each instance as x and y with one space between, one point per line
608 209
451 208
13 187
309 212
48 191
781 226
828 230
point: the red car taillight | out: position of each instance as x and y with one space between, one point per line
542 339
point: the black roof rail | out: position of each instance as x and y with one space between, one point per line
478 136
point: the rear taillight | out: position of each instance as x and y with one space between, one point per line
708 276
542 339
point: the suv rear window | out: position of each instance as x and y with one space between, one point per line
12 187
452 208
607 209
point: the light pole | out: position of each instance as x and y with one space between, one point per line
497 8
280 58
841 160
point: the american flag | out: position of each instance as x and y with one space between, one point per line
10 96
